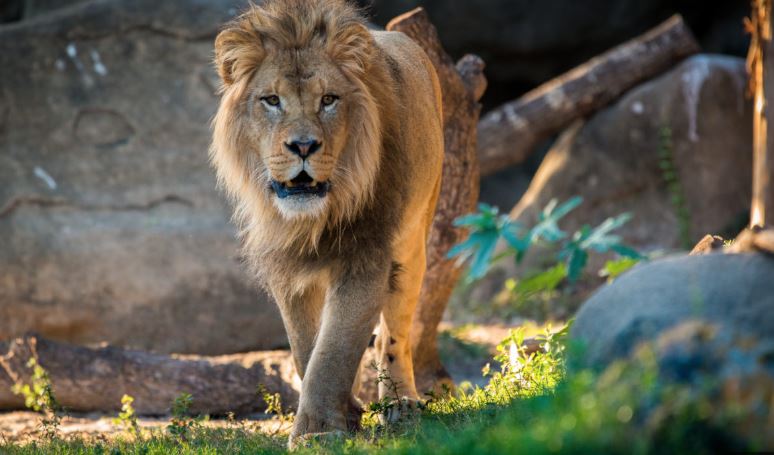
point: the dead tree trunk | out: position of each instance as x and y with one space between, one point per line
510 133
87 379
463 85
760 64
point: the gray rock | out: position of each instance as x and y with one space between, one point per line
113 230
733 293
614 159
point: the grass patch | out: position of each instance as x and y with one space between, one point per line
532 404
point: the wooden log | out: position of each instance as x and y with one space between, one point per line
463 85
760 64
85 379
510 133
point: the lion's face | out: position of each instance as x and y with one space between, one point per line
297 138
298 115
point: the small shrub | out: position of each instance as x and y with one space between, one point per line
182 425
127 418
39 396
274 406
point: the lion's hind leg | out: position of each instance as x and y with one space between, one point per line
393 342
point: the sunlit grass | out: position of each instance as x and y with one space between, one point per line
532 405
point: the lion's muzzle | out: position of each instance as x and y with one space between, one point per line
302 185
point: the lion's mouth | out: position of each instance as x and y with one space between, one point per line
302 184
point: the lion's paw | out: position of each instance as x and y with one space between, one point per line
402 409
320 422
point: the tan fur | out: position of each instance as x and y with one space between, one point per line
334 264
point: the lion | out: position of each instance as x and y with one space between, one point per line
329 141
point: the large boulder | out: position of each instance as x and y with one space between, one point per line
732 292
703 322
113 230
658 153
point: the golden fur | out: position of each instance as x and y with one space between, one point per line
339 262
243 47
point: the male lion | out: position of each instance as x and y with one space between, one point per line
329 140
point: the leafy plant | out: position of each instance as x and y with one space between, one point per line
487 227
274 406
39 396
182 425
127 418
391 401
613 269
671 177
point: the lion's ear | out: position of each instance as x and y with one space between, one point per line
353 48
237 53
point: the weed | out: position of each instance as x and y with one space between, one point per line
39 396
127 418
274 406
182 425
671 177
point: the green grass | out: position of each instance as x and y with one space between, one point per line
535 405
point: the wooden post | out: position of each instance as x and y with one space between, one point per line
760 65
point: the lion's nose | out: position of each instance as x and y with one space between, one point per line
303 148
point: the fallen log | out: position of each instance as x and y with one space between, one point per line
510 133
85 379
463 85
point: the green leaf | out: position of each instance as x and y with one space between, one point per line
600 239
548 280
576 264
627 252
547 227
481 258
613 269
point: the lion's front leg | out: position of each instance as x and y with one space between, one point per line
301 317
349 315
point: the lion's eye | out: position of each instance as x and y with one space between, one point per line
272 100
327 100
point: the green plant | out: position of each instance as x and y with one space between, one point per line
487 227
613 269
39 396
522 374
391 401
182 425
274 406
671 177
127 418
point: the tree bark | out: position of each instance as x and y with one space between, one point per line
85 379
760 62
510 133
463 85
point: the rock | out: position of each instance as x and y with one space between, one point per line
113 230
614 160
708 323
733 292
525 43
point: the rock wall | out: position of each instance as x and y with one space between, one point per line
112 229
